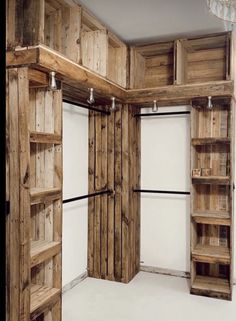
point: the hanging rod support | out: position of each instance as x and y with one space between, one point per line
162 114
87 107
87 196
159 191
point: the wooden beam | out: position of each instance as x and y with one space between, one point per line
180 92
37 78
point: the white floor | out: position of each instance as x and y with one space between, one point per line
148 297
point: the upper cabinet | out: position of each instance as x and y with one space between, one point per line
69 29
183 61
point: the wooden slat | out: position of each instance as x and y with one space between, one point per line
210 141
118 183
44 195
14 242
104 230
43 250
110 182
37 78
91 188
24 204
42 298
45 138
218 180
97 218
205 283
125 194
211 254
168 93
215 218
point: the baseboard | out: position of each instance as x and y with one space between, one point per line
157 270
74 282
154 269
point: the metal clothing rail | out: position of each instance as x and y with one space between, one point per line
86 196
159 191
162 114
87 107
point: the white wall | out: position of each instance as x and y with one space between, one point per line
165 163
165 219
75 183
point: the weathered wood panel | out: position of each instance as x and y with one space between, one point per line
114 220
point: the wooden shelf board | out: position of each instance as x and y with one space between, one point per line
211 254
45 138
206 283
218 180
210 141
43 195
42 298
43 250
212 217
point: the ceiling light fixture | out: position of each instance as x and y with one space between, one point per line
223 9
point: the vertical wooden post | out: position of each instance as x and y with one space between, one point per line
19 219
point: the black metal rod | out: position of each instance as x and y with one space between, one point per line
163 114
87 107
86 196
159 191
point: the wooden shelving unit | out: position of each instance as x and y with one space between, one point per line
46 202
211 199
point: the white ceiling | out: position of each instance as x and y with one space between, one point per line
137 21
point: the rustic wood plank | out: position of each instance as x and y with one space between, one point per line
104 221
45 138
43 250
118 185
97 218
110 182
91 189
125 215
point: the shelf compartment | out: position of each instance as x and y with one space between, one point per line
212 217
212 287
43 250
45 138
211 254
152 65
42 298
217 180
44 195
210 141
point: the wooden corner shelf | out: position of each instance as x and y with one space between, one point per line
210 141
45 138
43 250
42 298
43 195
211 217
212 287
211 254
217 180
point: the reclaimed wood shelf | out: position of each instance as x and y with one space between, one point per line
211 286
217 180
43 250
211 254
42 298
42 195
210 141
45 138
212 217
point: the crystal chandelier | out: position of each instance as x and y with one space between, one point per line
223 9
